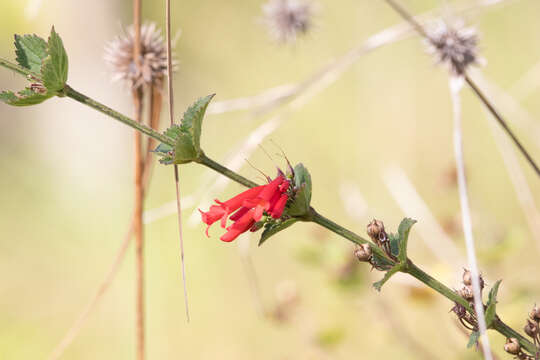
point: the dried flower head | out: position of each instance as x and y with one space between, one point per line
466 293
363 252
119 55
286 19
531 328
512 346
535 313
455 45
467 279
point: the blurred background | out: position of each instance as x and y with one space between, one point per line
375 134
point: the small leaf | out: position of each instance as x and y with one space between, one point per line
302 199
394 244
54 69
273 228
24 97
378 285
491 309
403 231
193 117
30 51
473 339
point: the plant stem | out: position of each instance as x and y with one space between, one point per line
502 122
75 95
206 161
16 68
317 218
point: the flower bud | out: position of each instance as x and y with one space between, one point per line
363 252
466 293
535 313
512 346
531 328
375 230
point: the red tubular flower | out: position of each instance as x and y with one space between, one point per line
249 207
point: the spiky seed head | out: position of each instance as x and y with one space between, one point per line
512 346
119 56
287 19
454 45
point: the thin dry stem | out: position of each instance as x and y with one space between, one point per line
455 86
138 207
176 176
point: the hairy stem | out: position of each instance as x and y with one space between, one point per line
206 161
75 95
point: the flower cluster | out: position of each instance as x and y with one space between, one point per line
532 329
248 208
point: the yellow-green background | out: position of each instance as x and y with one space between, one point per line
66 188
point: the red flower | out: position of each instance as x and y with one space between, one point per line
249 207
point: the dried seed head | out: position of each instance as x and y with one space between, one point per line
466 293
535 313
363 252
454 45
512 346
467 279
119 56
531 328
375 230
286 19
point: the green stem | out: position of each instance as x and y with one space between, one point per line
75 95
14 67
206 161
343 232
499 326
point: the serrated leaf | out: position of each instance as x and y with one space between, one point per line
473 338
302 199
491 309
54 69
184 150
193 117
30 51
378 285
273 228
403 231
25 97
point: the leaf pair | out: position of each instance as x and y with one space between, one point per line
46 63
187 135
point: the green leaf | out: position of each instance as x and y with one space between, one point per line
24 97
403 231
394 244
184 150
378 285
491 309
273 228
30 51
381 262
302 199
54 69
473 339
193 117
